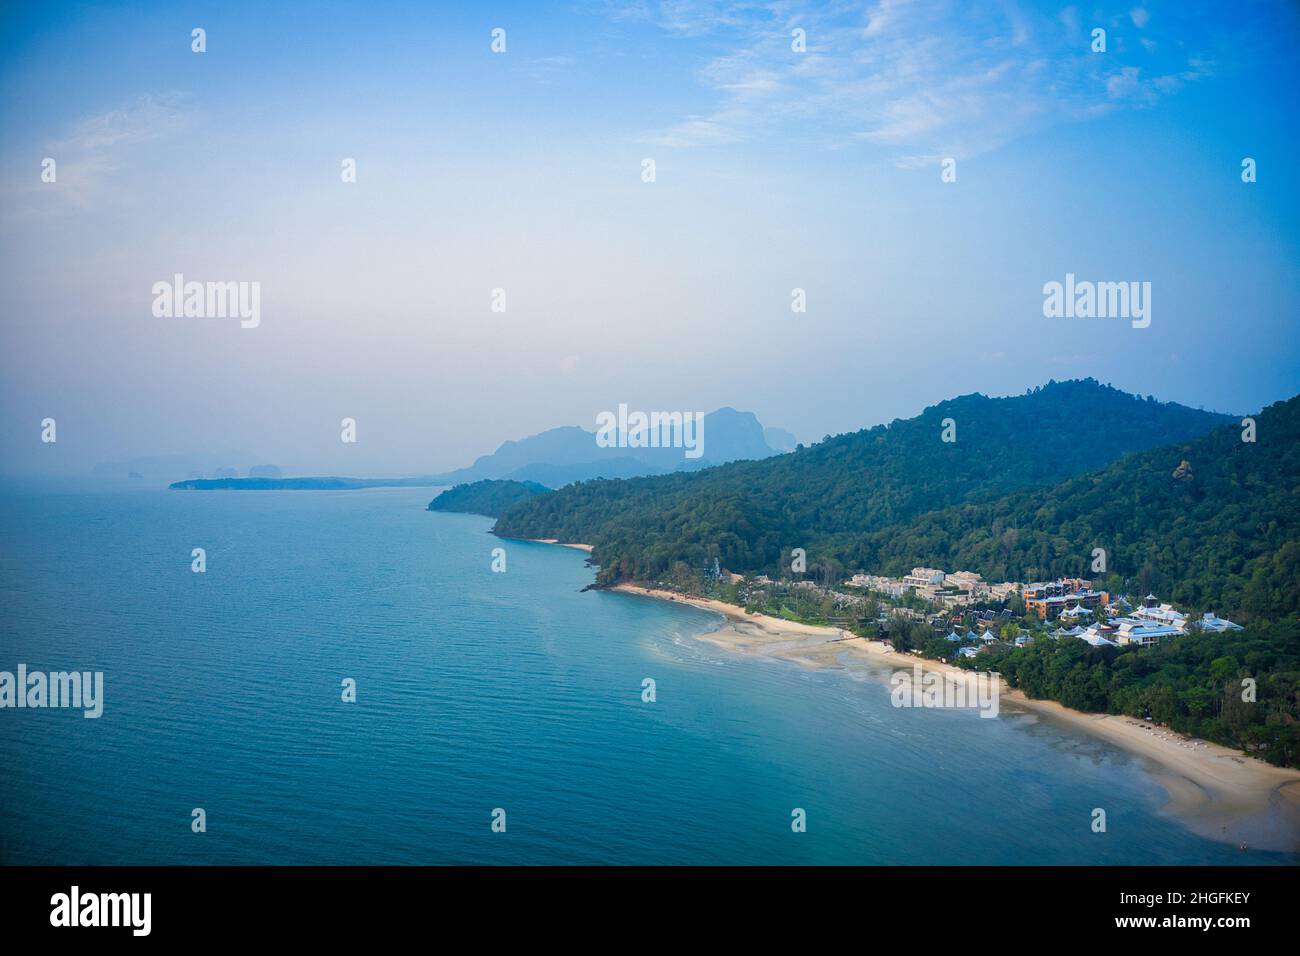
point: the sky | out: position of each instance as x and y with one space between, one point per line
775 169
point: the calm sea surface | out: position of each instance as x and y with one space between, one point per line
475 691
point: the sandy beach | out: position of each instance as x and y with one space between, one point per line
562 544
1216 792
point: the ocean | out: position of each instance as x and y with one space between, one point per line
477 691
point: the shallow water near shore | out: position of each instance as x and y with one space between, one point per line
478 690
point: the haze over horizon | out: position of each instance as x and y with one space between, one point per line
522 170
232 457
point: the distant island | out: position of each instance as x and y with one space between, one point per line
299 484
549 459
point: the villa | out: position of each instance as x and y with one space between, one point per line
1208 622
924 578
1096 640
1132 630
1050 599
1151 610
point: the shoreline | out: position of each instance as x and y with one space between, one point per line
1216 792
562 544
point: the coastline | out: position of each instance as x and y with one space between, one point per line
562 544
1216 792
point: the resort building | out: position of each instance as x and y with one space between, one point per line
1132 630
1152 610
1003 591
1058 588
968 583
879 583
1208 622
924 578
1050 599
1096 640
1071 632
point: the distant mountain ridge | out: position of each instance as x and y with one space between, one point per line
554 458
570 453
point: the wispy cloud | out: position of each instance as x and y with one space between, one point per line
914 79
90 152
543 68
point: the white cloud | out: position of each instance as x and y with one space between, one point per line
90 152
921 78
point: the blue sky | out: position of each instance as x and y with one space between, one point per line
775 169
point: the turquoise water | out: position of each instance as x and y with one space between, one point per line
476 690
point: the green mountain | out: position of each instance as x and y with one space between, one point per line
867 500
488 497
1213 523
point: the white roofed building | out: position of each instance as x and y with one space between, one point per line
1208 622
1161 613
1132 630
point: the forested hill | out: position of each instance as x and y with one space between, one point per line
829 499
1213 524
487 497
